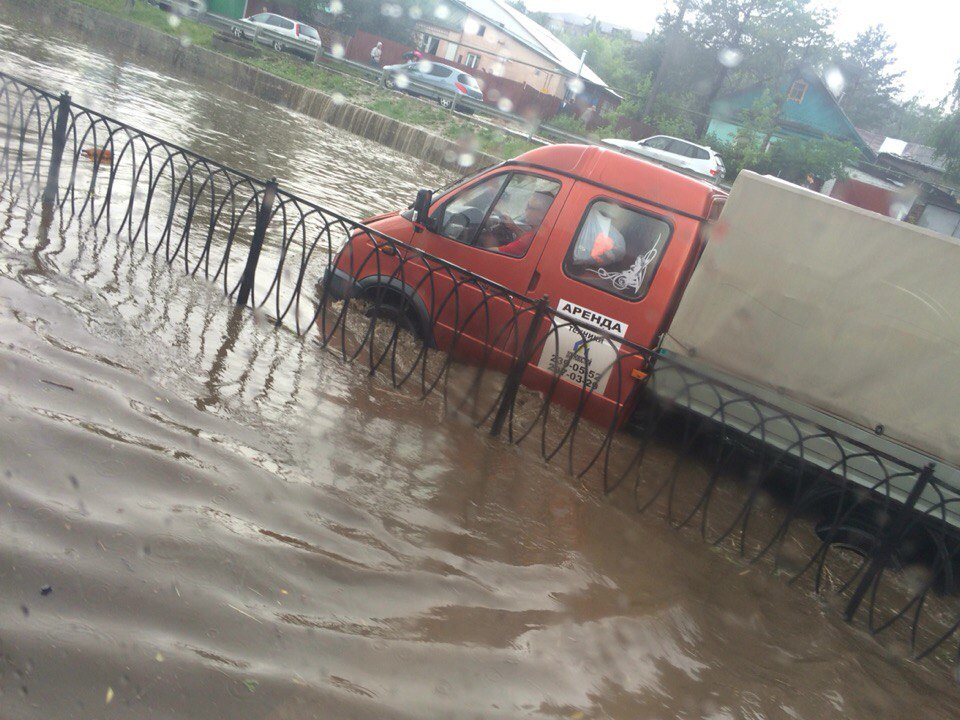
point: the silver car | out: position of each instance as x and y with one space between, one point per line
434 80
279 27
684 154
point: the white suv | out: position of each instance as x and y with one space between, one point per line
279 27
698 159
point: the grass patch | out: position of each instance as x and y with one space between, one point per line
307 74
409 111
156 18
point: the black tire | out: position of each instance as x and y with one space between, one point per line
445 102
278 46
390 83
238 33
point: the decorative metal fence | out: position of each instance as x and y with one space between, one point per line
826 509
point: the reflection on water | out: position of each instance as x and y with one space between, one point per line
206 517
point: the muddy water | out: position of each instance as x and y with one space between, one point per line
203 517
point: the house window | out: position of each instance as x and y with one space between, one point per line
481 31
472 60
797 91
428 44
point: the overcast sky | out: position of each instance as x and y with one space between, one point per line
926 31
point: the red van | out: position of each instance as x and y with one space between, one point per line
607 240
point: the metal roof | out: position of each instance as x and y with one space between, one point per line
533 35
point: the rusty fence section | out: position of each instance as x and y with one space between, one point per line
826 510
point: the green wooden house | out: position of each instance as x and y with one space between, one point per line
809 110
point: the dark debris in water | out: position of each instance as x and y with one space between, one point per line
46 590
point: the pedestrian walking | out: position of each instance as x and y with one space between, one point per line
375 54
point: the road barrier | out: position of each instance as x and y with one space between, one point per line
768 485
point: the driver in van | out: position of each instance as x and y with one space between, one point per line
513 237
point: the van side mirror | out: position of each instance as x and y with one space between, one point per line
421 207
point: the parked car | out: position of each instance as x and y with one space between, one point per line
279 27
698 159
183 8
433 80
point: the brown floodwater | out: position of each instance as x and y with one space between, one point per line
205 517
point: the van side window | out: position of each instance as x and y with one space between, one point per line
461 216
617 249
516 216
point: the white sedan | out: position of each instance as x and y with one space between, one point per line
698 159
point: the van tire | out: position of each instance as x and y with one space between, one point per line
388 304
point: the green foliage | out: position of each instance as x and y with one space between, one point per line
946 140
187 30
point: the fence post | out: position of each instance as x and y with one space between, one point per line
56 155
888 536
512 383
259 232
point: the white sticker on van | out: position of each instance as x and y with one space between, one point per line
578 355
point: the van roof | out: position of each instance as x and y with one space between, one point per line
629 175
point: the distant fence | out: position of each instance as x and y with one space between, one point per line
832 514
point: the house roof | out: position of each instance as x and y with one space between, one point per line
605 27
534 36
910 151
824 116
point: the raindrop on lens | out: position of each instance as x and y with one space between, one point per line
575 85
465 159
174 21
401 81
185 42
415 12
391 10
338 98
471 26
730 57
504 104
442 12
338 51
835 81
335 7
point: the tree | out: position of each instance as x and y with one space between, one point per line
946 137
871 86
759 39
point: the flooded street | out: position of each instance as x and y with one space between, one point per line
206 517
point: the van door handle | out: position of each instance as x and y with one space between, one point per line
535 278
